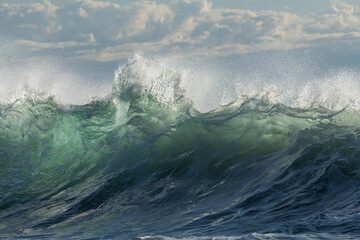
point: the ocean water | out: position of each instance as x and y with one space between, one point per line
160 157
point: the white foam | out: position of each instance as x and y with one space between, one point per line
208 84
153 76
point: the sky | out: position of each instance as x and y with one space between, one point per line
106 31
71 49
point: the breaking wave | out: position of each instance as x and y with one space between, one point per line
147 162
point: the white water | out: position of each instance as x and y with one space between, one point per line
212 85
278 78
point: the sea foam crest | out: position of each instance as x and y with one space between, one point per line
166 80
152 93
146 76
335 91
172 83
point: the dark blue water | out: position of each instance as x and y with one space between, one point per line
143 163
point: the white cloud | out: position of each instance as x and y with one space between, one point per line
106 31
39 45
97 4
42 15
340 18
82 12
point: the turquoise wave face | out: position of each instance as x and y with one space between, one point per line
144 162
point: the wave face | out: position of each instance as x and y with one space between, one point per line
144 163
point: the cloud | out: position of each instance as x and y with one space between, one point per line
40 16
104 31
51 44
82 12
340 18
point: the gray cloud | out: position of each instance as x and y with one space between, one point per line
104 31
